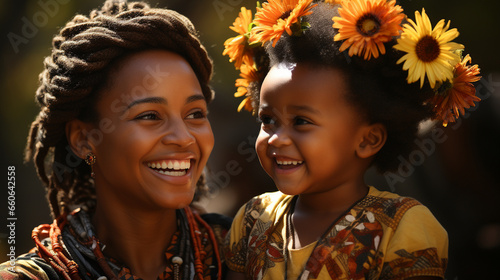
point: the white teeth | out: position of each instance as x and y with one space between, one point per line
173 173
295 162
181 165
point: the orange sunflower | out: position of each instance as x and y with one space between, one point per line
237 48
460 95
248 75
278 16
366 25
334 2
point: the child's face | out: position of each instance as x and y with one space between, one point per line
309 132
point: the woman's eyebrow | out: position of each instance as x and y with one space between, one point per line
195 97
155 100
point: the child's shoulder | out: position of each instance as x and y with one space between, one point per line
269 199
268 206
391 209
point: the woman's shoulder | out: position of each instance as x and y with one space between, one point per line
27 266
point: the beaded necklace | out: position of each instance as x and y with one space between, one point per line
71 258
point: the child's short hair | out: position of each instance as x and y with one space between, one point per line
377 87
367 41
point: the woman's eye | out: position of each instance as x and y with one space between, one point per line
197 115
148 116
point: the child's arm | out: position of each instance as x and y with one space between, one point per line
419 246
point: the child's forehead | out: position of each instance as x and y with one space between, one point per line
300 84
308 78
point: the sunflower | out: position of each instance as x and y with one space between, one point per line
278 16
248 75
429 51
237 48
366 25
459 95
334 2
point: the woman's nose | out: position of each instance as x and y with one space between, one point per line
178 133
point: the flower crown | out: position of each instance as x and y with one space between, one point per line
363 26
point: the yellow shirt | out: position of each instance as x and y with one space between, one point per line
384 236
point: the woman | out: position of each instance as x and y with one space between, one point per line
121 142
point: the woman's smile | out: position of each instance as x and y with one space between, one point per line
171 167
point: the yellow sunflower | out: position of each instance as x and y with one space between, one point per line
237 47
460 95
248 75
429 51
366 25
278 16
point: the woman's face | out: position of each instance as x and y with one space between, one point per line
154 138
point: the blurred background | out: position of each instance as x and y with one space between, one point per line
457 177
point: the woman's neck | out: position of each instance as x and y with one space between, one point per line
136 238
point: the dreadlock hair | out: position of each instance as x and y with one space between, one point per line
377 87
82 58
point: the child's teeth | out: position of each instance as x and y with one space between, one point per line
295 162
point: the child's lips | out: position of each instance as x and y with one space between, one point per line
287 163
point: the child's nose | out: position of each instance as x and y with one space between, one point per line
279 138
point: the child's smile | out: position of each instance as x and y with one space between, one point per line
287 165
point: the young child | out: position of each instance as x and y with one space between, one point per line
335 102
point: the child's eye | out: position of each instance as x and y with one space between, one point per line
301 121
266 119
148 116
197 115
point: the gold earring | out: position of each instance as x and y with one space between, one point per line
90 159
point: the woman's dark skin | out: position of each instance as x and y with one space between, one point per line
149 120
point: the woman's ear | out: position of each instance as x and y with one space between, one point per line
76 133
374 137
